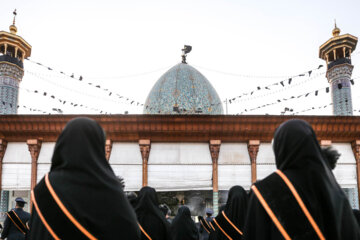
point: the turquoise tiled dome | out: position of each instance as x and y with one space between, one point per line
183 90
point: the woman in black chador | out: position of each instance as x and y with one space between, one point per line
151 220
81 198
229 223
302 199
183 227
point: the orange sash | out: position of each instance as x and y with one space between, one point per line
299 201
17 222
62 207
143 231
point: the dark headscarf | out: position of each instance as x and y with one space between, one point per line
86 185
149 215
236 206
235 209
299 157
331 155
183 227
132 197
165 209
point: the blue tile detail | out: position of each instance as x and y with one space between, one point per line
186 89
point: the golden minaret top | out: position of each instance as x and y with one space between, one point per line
13 28
336 31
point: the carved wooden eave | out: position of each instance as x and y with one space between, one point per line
175 128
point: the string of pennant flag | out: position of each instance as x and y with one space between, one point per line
306 94
268 93
278 101
287 109
113 77
251 96
133 102
62 101
255 76
214 104
7 105
321 107
281 83
126 100
80 78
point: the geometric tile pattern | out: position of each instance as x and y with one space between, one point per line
10 77
340 75
183 90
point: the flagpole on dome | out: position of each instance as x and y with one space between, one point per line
185 50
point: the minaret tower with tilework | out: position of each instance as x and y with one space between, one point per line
13 50
337 54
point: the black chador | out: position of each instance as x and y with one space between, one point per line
81 198
152 221
302 199
183 227
357 215
229 223
206 227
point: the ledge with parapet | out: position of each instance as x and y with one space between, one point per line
13 60
170 128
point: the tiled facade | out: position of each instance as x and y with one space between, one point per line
183 90
10 77
341 97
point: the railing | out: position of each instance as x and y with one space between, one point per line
13 60
338 62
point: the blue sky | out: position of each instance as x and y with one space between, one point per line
106 40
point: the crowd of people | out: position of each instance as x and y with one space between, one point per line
81 198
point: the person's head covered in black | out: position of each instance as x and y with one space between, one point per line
233 213
331 155
183 227
150 217
299 157
132 197
86 185
236 206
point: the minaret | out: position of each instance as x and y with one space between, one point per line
13 50
337 54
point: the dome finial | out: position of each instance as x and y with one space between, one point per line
13 28
185 50
336 30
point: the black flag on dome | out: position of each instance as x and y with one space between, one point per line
187 49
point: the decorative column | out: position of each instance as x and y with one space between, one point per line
3 145
356 149
253 149
34 149
108 147
145 152
214 151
